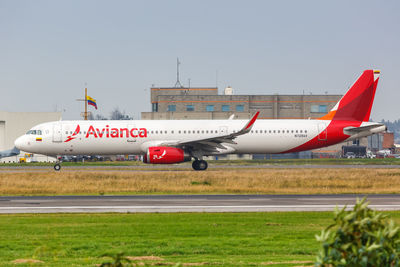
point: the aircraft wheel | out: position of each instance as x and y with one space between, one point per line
195 165
199 165
203 165
57 167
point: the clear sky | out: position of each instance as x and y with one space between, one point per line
50 49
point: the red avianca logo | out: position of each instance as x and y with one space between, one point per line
73 136
108 132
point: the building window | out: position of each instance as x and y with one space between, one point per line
225 108
189 108
154 107
210 108
240 108
171 108
288 106
319 108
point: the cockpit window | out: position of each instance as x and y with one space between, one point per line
34 132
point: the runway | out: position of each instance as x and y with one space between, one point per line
189 203
186 167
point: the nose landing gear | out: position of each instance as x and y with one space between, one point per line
199 165
57 167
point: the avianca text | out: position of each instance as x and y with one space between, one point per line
108 132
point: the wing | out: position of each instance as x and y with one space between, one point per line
212 144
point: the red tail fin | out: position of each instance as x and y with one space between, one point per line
356 104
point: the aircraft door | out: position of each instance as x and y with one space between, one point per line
57 132
322 132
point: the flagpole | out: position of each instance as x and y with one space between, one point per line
86 104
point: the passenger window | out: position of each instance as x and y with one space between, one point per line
301 131
172 132
274 131
305 131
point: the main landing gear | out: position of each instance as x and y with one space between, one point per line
199 165
57 166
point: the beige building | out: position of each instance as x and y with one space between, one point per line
206 103
15 124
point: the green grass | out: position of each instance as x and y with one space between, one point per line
220 239
384 161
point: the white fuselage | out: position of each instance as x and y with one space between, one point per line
134 137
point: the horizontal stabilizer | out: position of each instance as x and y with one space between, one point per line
355 130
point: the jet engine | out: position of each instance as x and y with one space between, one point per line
165 155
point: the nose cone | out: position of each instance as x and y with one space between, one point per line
20 143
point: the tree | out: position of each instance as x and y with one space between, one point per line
100 117
116 114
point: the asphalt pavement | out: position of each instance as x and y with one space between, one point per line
189 203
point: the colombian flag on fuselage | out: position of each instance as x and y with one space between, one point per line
91 101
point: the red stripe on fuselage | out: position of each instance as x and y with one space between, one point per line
334 135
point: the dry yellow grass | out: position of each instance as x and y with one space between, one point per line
273 181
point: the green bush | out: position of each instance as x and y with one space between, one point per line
117 260
361 237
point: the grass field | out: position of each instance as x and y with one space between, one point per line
215 181
211 239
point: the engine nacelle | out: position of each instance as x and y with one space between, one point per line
165 155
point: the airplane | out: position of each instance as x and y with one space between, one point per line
9 153
176 141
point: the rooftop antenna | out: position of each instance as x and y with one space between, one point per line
178 83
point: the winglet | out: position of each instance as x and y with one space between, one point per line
251 122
